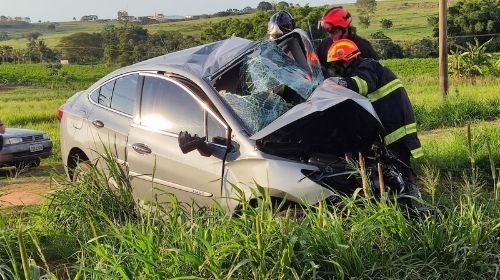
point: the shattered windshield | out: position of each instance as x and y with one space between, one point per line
274 78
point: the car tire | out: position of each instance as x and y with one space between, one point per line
81 169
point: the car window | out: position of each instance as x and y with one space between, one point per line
124 94
104 97
168 107
214 129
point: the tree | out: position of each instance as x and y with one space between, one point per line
41 49
384 46
386 23
474 17
426 47
82 47
6 53
365 9
32 36
282 5
264 6
51 26
364 21
248 10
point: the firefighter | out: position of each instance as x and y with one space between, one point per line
385 91
337 22
280 24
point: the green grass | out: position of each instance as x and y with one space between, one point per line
70 76
110 236
448 149
89 229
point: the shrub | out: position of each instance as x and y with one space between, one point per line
385 47
470 61
386 23
422 48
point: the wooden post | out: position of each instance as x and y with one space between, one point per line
443 50
381 179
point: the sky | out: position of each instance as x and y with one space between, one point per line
65 10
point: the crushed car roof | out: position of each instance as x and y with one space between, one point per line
203 60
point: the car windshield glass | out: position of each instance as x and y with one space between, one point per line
274 78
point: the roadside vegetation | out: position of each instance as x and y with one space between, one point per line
87 230
90 230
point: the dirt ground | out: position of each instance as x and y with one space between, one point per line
26 193
24 189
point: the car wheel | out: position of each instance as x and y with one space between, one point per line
81 169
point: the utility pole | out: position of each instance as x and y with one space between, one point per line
443 50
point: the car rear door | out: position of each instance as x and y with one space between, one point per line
110 119
156 163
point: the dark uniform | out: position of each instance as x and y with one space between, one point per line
364 46
389 98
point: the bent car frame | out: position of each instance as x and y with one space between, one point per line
258 113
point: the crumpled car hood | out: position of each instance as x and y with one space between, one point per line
329 96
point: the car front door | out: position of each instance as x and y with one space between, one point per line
156 163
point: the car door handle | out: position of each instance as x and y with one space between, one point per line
141 148
98 124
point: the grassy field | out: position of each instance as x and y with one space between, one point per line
86 230
409 19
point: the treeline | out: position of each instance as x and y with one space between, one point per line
115 45
122 45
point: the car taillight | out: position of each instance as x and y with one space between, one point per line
60 113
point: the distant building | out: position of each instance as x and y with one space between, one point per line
89 18
123 15
158 17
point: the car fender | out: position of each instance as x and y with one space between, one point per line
280 177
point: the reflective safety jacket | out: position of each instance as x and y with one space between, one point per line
370 78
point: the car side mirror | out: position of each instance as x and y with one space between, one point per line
189 143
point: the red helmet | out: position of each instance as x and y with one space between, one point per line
337 16
342 50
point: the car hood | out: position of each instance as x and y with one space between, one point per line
329 106
20 132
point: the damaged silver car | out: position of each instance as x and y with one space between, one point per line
236 113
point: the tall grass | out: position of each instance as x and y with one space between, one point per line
114 237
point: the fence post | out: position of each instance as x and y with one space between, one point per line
443 50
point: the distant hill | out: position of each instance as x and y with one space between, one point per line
409 19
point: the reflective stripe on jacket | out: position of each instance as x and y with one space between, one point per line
389 98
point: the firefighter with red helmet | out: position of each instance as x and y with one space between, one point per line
337 22
385 91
